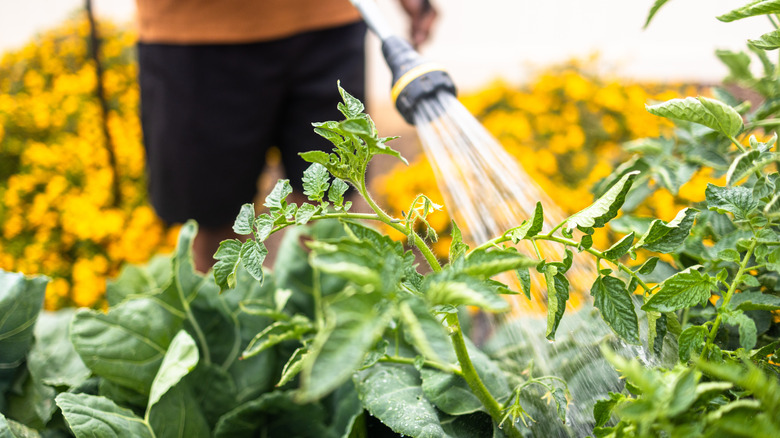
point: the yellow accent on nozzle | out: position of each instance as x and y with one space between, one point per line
412 74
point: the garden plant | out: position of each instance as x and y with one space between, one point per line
350 336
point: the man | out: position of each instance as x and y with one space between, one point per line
224 80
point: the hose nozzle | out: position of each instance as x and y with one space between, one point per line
414 78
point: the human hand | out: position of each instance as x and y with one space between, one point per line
422 15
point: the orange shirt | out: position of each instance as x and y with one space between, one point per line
236 21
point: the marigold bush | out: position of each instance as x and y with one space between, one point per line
58 216
566 128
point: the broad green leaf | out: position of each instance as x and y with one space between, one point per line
178 414
30 401
653 10
648 266
747 328
605 208
264 225
245 220
754 301
52 359
529 228
179 360
702 110
457 247
228 258
413 313
336 192
305 213
738 64
393 394
741 166
620 248
764 387
752 9
315 182
602 410
319 157
667 237
274 414
353 326
684 393
12 429
485 264
277 199
738 200
93 416
463 290
616 307
127 344
252 255
687 288
21 300
691 342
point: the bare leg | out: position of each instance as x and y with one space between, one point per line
206 244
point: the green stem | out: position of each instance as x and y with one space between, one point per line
195 326
317 296
737 144
447 368
470 375
724 306
759 123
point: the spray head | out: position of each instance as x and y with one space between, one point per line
414 78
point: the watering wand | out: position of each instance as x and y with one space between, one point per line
414 78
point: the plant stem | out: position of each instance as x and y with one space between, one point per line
470 375
447 368
738 144
724 306
317 296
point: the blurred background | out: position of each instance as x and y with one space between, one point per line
561 84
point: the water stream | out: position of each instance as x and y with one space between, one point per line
487 192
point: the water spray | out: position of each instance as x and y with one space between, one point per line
414 78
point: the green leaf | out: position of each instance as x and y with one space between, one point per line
178 414
605 208
457 247
764 387
529 228
684 393
754 301
653 10
245 220
264 225
93 416
277 199
21 300
741 166
274 414
685 289
336 192
738 64
352 107
691 342
648 266
752 9
353 326
667 237
524 275
747 328
485 263
318 157
393 394
557 296
305 213
602 410
616 307
416 319
179 360
463 290
13 429
315 182
252 255
293 366
127 344
52 359
276 333
738 200
228 258
620 248
702 110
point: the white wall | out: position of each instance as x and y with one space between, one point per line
478 40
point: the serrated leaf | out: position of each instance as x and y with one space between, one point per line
702 110
336 192
604 209
752 9
529 228
667 237
620 248
464 290
489 262
557 296
738 200
305 213
687 288
315 182
747 328
648 266
264 224
754 301
245 220
524 275
457 247
352 107
319 157
602 410
656 325
277 199
252 256
738 64
617 309
228 258
89 415
691 341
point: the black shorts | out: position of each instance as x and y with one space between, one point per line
210 112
